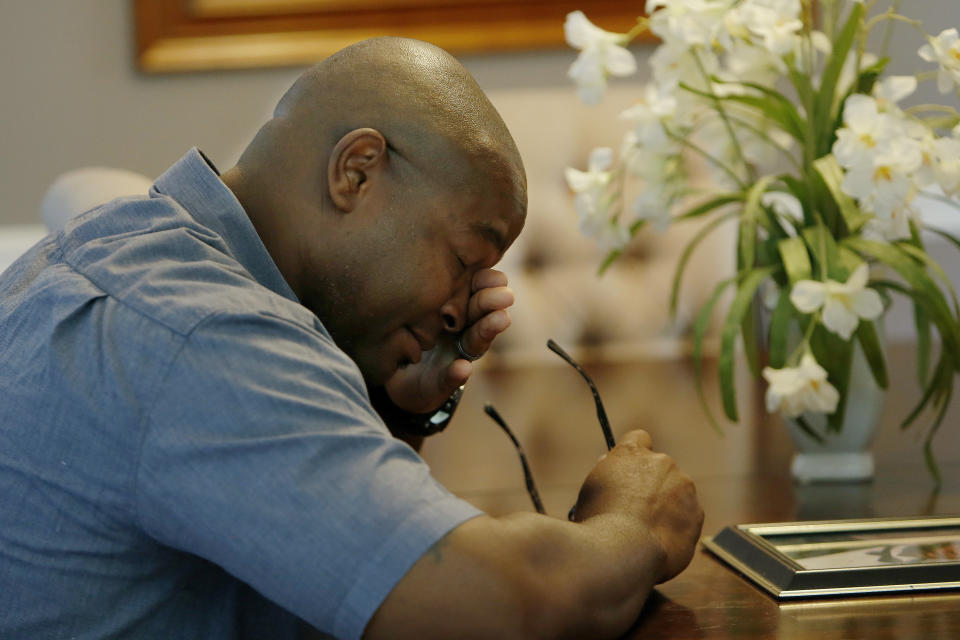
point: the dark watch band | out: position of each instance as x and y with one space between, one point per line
415 424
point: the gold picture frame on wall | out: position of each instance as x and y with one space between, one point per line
199 35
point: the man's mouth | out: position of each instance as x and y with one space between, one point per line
414 349
425 342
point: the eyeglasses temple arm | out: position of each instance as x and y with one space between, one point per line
527 475
601 413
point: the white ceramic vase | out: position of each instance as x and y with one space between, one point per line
844 455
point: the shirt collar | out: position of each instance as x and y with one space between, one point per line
194 182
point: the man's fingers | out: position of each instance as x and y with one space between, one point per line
476 340
488 300
455 375
638 437
487 279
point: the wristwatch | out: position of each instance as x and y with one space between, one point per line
415 424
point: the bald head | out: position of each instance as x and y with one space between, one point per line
428 107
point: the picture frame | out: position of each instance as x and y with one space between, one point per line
204 35
817 559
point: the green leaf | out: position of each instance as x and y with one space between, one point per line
802 193
801 83
849 260
609 260
731 328
700 327
823 105
942 373
780 111
748 222
750 331
796 260
807 429
771 109
922 285
868 77
787 115
932 431
829 169
709 206
873 350
921 320
780 323
688 252
826 253
922 256
834 354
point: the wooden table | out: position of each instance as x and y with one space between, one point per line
742 477
709 600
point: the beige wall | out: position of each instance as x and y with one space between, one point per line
71 97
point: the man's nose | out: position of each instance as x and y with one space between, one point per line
454 310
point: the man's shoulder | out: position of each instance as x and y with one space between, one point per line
150 255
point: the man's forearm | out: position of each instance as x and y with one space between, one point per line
525 576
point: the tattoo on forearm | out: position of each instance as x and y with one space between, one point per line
436 550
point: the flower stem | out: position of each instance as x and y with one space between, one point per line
713 160
804 345
718 106
933 108
763 135
890 16
642 26
888 32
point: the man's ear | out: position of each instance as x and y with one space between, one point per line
355 158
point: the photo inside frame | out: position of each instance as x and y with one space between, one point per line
843 550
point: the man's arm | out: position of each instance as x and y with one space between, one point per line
530 576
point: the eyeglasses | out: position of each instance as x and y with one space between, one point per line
601 416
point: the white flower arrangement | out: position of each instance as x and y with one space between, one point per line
808 149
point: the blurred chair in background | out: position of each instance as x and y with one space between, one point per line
82 189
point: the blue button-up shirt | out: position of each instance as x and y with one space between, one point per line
184 451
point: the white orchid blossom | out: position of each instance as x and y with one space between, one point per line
690 22
775 24
602 54
744 62
596 176
945 51
606 231
786 206
886 183
843 303
654 204
592 200
891 227
866 132
946 166
889 91
674 63
649 117
795 390
590 185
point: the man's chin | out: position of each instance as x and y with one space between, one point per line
376 371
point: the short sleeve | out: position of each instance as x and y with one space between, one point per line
262 454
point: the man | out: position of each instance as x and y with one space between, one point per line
187 444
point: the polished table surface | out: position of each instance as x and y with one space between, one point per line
741 477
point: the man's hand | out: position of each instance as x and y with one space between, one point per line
424 386
635 481
529 576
